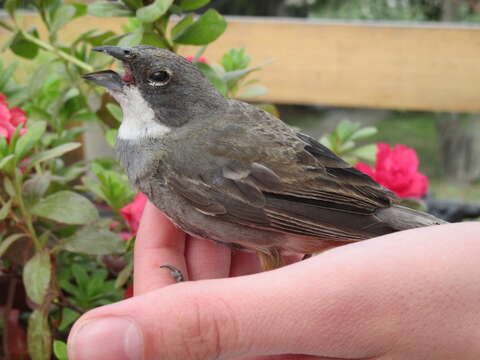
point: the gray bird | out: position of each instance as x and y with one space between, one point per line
224 170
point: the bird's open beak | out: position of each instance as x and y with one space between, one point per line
108 78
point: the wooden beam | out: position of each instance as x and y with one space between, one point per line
377 65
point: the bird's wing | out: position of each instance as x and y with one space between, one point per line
289 182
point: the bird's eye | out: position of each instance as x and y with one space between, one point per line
159 78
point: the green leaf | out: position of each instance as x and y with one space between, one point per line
108 9
188 5
7 162
3 146
232 77
346 146
364 133
23 47
6 75
152 12
11 6
215 78
69 316
35 188
124 275
111 137
8 186
133 4
366 152
66 207
5 244
253 91
31 138
36 276
60 348
132 39
235 59
181 25
80 275
38 79
204 30
62 16
116 111
80 9
151 38
5 210
39 336
53 153
94 241
346 129
115 188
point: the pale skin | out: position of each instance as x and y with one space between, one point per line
411 295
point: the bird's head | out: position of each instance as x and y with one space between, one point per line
160 81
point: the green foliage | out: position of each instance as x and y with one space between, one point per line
206 29
39 335
66 207
342 141
36 276
229 77
87 285
92 240
60 350
67 228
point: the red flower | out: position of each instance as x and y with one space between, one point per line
200 59
128 293
133 211
397 169
10 119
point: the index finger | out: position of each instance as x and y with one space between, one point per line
158 242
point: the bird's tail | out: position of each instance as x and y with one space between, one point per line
403 218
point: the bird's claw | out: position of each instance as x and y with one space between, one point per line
176 274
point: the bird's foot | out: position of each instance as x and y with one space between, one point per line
307 256
176 274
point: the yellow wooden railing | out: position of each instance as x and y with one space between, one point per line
378 65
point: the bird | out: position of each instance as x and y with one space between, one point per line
225 170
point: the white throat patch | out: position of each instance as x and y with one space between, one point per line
138 117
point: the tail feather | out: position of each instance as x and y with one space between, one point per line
403 218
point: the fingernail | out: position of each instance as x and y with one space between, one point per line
106 339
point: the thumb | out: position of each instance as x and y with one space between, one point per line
262 314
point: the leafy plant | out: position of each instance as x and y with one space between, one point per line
63 219
343 142
229 77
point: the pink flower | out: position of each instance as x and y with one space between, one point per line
17 116
10 119
397 169
133 211
200 59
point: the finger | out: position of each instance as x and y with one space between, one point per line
248 316
158 243
390 295
206 259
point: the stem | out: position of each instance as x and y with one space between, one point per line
162 34
58 52
12 285
26 215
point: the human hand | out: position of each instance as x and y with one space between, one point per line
409 295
